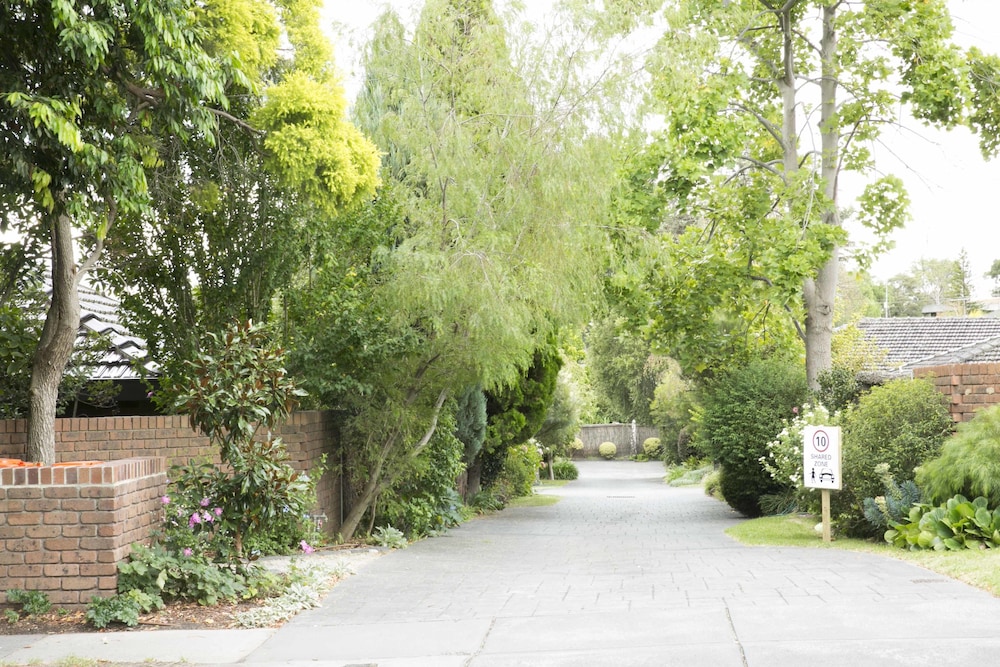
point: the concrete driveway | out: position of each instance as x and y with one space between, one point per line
625 570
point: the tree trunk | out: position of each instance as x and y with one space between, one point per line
474 483
377 482
819 294
55 346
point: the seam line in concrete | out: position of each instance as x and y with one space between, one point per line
482 644
736 638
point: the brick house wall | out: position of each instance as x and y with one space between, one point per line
969 387
63 529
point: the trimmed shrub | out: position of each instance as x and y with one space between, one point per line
565 469
576 447
969 463
519 472
652 448
902 424
607 450
745 409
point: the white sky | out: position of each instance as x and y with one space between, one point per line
954 192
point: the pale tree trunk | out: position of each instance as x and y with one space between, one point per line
379 482
818 293
821 292
55 346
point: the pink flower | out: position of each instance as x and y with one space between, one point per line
218 511
305 547
188 551
205 502
795 411
207 517
193 520
165 500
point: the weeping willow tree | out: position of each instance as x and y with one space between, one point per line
483 239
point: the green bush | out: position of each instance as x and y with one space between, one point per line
902 424
519 472
743 410
712 483
565 469
652 448
425 501
838 388
783 461
969 463
607 450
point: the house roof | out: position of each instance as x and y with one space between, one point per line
99 313
913 342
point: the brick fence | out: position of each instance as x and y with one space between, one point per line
63 529
969 387
307 435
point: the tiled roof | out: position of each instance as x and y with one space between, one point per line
99 312
931 341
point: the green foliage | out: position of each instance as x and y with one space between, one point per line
32 602
607 450
839 388
955 525
894 505
713 484
743 411
389 537
516 412
623 371
123 608
236 387
783 460
160 573
673 402
565 469
902 424
652 448
520 471
470 421
424 499
969 461
562 421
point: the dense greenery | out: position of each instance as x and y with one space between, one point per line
743 410
969 462
901 424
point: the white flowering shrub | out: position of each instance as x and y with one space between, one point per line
783 461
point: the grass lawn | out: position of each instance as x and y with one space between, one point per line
534 500
977 568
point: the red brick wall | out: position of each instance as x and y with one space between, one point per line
307 436
969 387
64 529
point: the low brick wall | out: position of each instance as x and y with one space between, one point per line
969 387
64 528
307 436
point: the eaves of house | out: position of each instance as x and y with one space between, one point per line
916 342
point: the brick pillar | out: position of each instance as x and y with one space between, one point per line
64 528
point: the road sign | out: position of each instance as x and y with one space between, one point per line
821 457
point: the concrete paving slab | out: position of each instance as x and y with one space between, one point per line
916 651
373 643
192 647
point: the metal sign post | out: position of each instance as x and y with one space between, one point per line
821 466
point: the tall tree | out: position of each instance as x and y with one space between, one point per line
480 240
86 93
765 104
236 221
